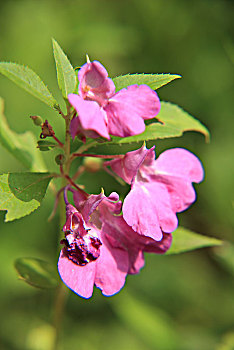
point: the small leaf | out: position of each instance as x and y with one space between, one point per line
154 81
36 272
185 240
46 145
66 75
25 78
173 122
21 146
22 193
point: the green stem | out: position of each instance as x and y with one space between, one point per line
61 291
86 146
102 156
80 150
60 300
67 147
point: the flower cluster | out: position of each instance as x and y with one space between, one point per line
105 239
100 247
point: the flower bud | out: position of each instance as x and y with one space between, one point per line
92 164
60 159
37 120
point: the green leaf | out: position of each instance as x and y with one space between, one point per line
154 81
22 193
25 78
21 146
36 272
46 145
185 240
66 75
174 121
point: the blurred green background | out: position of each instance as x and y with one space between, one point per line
183 302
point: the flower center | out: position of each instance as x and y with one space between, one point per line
81 250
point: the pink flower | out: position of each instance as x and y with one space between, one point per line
100 248
159 188
102 112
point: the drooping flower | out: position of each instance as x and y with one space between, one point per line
159 188
102 112
99 247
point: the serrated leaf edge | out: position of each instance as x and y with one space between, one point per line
53 102
57 47
34 201
172 76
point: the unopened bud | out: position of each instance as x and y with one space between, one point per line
37 120
60 159
92 164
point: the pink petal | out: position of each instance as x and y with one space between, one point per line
73 220
80 199
113 197
112 268
128 108
74 127
77 130
80 279
91 204
94 77
148 211
181 192
118 239
93 73
177 168
121 122
120 235
137 261
141 99
88 204
180 162
159 247
127 167
90 115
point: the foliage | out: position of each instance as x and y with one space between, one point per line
154 81
27 80
22 193
66 75
184 240
37 273
172 121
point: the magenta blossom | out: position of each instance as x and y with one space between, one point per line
100 248
159 188
102 112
